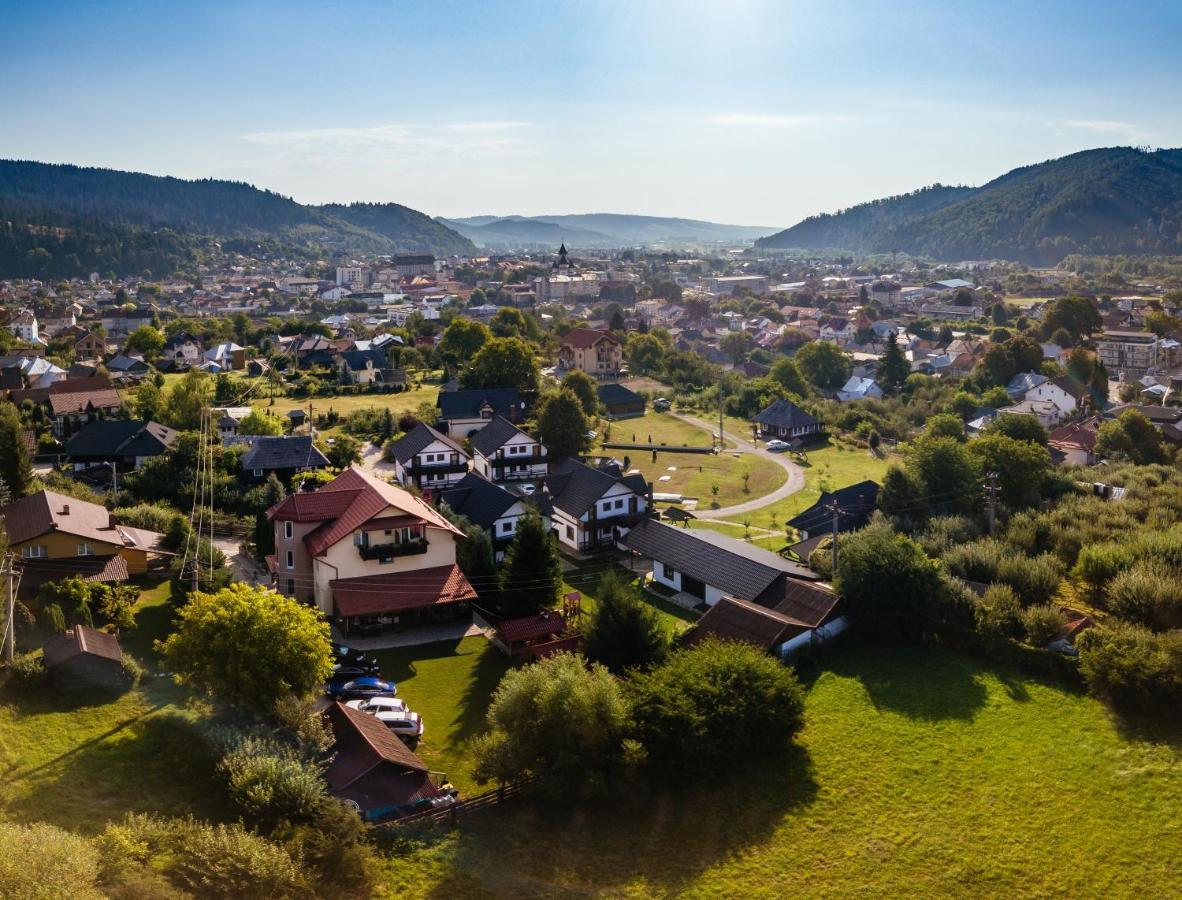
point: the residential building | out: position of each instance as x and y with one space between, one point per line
412 264
369 554
854 505
88 346
598 353
24 326
732 619
463 412
729 284
182 350
426 458
488 505
124 443
1129 354
1047 413
227 356
503 452
1075 442
280 455
72 402
1064 391
859 389
366 367
619 402
785 420
593 508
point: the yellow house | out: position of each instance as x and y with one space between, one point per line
598 353
61 534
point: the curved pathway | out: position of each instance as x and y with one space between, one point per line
795 473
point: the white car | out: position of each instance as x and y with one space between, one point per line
374 705
404 724
777 446
528 490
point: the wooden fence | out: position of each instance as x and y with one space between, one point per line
450 815
660 448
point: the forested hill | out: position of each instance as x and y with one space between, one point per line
62 220
408 228
1107 201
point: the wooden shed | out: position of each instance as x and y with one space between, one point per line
82 658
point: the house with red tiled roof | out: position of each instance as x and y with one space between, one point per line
598 353
368 554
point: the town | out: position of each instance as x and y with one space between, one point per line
422 475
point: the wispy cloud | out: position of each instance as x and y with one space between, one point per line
776 120
1108 127
452 138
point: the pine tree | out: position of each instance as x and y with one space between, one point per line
532 575
624 632
893 369
15 468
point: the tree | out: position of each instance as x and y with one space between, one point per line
249 646
148 401
945 425
1130 437
644 353
1000 314
824 364
616 323
1020 428
736 345
706 706
259 422
1021 466
786 373
186 400
901 494
624 632
893 368
1161 323
262 498
558 719
343 452
531 576
503 362
463 338
584 387
16 470
563 425
1077 315
947 472
146 340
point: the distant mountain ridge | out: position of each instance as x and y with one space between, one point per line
1117 200
598 230
91 218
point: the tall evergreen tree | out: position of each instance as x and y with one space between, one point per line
624 632
15 467
531 576
893 369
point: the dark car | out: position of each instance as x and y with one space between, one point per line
359 688
348 671
348 656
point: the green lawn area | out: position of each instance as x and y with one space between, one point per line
693 473
1026 301
920 772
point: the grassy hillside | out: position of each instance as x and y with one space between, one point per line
1106 201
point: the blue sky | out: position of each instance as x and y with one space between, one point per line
740 111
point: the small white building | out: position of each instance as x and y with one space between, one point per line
428 459
503 452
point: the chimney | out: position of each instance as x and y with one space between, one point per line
65 509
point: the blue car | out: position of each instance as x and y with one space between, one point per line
361 688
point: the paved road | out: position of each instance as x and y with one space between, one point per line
373 464
795 473
244 568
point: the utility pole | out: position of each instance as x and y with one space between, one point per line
10 607
836 510
991 490
721 444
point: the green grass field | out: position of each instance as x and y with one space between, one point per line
919 773
692 473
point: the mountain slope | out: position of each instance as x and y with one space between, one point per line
1106 201
87 218
600 230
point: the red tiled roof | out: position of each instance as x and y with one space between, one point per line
806 603
65 404
398 592
312 506
530 628
583 338
732 619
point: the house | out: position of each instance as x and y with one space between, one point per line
48 526
859 389
732 619
855 504
1064 392
427 458
182 350
598 353
1047 413
707 568
369 554
463 412
592 508
368 367
227 356
24 326
124 442
88 346
372 771
839 331
82 658
488 505
280 455
1075 442
72 402
618 402
503 452
128 366
785 420
1023 383
1130 354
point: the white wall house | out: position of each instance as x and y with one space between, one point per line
503 452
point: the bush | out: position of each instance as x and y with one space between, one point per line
133 669
978 561
1035 580
1147 594
706 706
270 783
998 614
26 670
44 862
1043 623
1132 667
1098 564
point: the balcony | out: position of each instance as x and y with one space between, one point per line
389 551
417 470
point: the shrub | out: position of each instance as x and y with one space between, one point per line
1042 623
944 532
1147 594
44 862
133 669
52 619
1098 564
1034 579
26 670
1132 667
978 561
705 706
998 614
270 783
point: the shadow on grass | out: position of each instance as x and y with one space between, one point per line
471 714
400 663
656 839
152 623
917 681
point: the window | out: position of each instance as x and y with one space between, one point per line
506 527
86 549
570 533
290 560
619 504
258 473
291 587
288 530
37 551
668 572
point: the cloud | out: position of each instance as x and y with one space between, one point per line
488 126
776 120
401 139
1111 127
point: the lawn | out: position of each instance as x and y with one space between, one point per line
919 772
691 474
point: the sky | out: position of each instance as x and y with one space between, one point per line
741 111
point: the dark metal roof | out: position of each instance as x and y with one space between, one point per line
856 503
420 437
574 487
268 452
114 438
617 394
494 435
731 619
478 500
467 404
785 414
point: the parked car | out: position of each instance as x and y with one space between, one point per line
360 688
348 656
347 671
775 445
379 704
661 404
404 724
528 490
